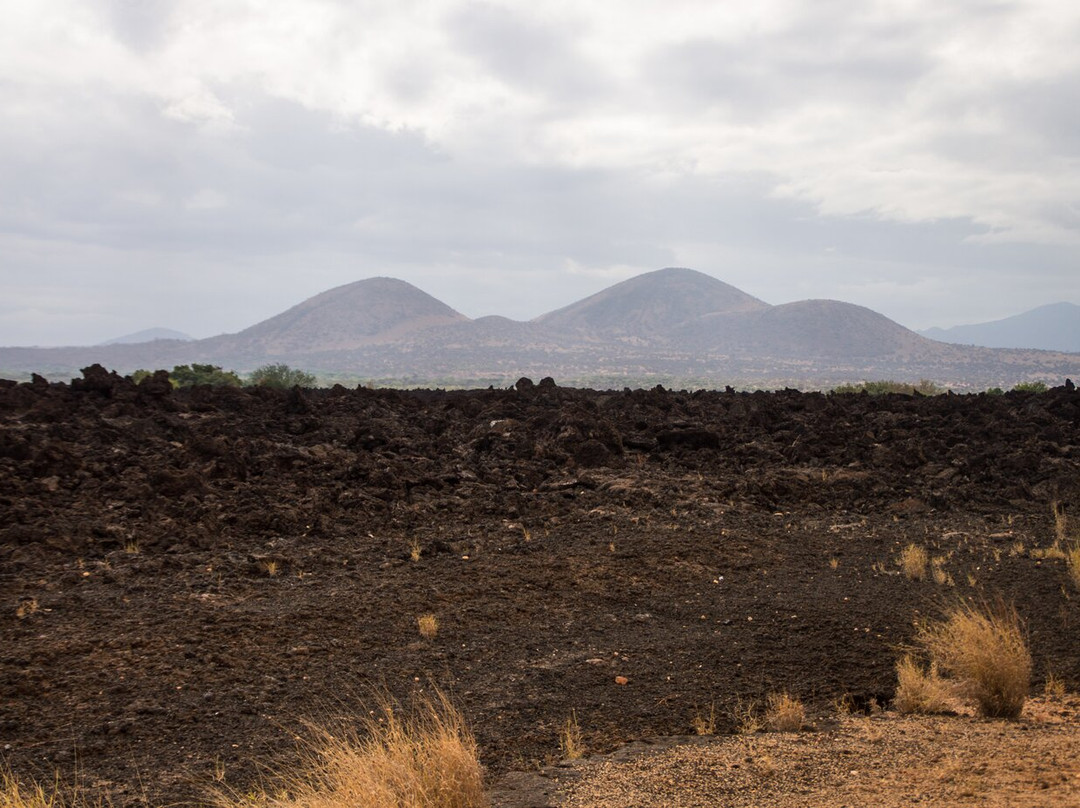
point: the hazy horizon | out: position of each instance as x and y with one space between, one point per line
202 166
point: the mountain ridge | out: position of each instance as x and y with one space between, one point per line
1052 327
673 325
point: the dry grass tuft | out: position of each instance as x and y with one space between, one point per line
571 744
1061 522
1053 688
427 759
920 691
784 713
705 723
913 561
14 794
1072 559
985 650
428 625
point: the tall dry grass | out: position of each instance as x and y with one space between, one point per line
784 713
913 561
984 649
427 758
920 690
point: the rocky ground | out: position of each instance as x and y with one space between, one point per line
186 577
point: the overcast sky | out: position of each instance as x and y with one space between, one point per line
205 164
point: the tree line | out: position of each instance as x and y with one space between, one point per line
279 376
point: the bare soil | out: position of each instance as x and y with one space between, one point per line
186 577
886 761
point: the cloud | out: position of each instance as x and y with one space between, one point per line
920 158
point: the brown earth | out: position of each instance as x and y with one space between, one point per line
187 576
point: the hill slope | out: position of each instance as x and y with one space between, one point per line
649 306
1055 327
346 317
803 330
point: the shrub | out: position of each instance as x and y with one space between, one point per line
985 651
426 759
191 375
1031 387
919 690
281 376
784 713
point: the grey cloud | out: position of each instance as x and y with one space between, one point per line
305 201
140 24
763 76
525 54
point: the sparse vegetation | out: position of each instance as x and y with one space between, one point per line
1072 559
14 794
920 690
984 650
427 759
281 376
1053 688
747 716
913 562
571 743
1031 387
924 387
784 713
704 723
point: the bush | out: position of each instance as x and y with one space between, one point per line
985 651
281 376
191 375
1031 387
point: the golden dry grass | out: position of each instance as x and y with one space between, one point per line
428 625
913 561
16 794
13 794
1072 560
571 743
704 723
920 690
984 649
426 759
784 713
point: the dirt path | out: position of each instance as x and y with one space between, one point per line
885 761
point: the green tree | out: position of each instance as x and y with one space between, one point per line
281 376
190 375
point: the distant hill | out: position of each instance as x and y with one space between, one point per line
377 310
1055 327
650 306
149 335
673 326
808 329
